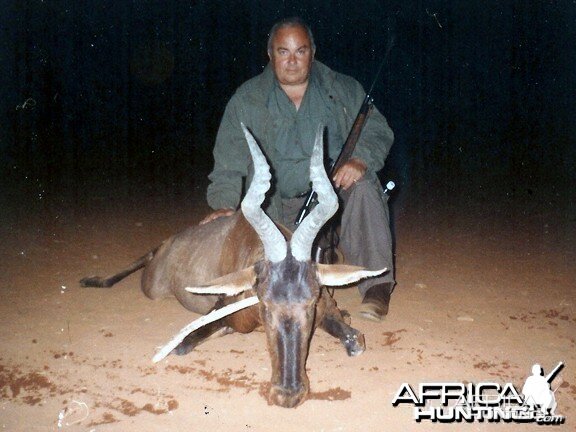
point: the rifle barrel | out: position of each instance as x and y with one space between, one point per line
353 136
554 371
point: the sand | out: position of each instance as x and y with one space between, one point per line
485 290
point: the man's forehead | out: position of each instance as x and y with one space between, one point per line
286 34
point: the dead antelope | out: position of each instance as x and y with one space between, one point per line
231 259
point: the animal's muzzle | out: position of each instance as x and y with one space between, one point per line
291 386
288 398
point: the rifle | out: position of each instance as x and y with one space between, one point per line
554 371
350 143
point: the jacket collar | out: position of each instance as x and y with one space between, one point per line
323 74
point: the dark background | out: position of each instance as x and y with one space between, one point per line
123 93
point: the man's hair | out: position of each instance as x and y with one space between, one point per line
290 22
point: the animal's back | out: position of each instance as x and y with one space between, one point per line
190 258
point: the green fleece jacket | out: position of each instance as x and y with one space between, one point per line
232 161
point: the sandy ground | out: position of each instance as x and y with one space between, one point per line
485 289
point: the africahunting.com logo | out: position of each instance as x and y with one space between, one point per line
486 401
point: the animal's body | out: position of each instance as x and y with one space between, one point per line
198 255
246 254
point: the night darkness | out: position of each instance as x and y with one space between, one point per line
134 91
109 112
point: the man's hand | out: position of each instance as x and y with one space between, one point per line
217 214
349 173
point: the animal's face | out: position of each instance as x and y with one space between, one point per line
288 293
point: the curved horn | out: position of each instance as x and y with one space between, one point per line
275 248
303 237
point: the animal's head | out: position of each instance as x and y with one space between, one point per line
287 282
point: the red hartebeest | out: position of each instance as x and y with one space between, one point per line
246 254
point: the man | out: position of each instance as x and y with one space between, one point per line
536 391
283 107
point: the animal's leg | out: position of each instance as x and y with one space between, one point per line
336 323
351 338
108 281
209 331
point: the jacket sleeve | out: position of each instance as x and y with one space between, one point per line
376 138
231 160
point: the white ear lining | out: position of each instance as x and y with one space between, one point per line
338 275
226 290
228 285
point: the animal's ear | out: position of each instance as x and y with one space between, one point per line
337 275
229 285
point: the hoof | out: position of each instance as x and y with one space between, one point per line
355 344
93 282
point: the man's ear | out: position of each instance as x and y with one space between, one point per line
229 285
338 275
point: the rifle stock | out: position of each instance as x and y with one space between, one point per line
354 134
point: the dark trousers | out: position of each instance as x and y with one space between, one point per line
365 237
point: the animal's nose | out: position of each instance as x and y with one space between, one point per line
287 397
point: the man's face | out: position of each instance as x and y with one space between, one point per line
291 55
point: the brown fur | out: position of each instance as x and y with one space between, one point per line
242 248
290 311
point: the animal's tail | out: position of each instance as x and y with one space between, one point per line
108 281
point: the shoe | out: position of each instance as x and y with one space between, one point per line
376 301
